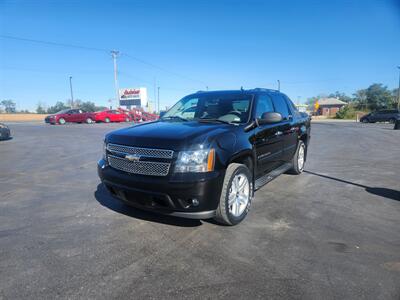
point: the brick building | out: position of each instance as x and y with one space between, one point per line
329 106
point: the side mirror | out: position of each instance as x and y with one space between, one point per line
269 118
162 113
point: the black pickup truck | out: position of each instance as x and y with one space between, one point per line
207 155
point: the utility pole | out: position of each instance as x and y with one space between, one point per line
154 93
72 95
279 85
398 91
114 54
158 99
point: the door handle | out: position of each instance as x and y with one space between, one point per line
278 133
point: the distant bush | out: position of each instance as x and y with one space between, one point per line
346 112
351 111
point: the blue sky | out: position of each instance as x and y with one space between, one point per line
313 47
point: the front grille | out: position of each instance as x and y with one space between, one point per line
145 152
139 167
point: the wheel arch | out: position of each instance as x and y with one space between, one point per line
245 157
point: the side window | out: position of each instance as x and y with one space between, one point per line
72 111
264 104
281 106
291 105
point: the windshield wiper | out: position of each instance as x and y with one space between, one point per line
214 120
174 118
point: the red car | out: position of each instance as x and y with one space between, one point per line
112 116
70 115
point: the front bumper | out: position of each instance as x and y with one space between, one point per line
50 120
193 196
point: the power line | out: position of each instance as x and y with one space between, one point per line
101 50
162 69
52 43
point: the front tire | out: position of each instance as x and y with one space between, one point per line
89 121
365 121
236 195
392 120
107 120
61 121
299 159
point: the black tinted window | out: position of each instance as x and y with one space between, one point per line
264 104
280 105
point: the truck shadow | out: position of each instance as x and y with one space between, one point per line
383 192
105 199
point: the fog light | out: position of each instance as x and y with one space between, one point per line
195 202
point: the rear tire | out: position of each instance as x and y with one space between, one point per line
236 195
89 121
392 120
365 121
127 120
299 159
107 120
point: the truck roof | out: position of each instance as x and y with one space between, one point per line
248 91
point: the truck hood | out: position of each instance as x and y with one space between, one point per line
168 134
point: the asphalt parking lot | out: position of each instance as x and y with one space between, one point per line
331 233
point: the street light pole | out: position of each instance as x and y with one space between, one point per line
398 91
114 55
158 99
72 95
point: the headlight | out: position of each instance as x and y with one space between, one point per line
195 161
105 151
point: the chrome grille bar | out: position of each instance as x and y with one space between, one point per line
139 167
145 152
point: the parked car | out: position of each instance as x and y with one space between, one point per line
388 115
71 115
146 116
207 155
108 116
5 132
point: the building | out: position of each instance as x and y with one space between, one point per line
302 107
329 106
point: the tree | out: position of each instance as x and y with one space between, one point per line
378 96
311 102
87 105
56 108
9 106
341 96
40 109
395 98
360 97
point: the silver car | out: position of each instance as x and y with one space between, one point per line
5 133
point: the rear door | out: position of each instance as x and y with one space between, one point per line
286 128
81 115
268 142
291 137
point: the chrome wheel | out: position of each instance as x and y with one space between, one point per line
300 157
239 195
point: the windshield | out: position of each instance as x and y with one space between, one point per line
224 108
64 111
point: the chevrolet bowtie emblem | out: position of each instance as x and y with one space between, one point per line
132 157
